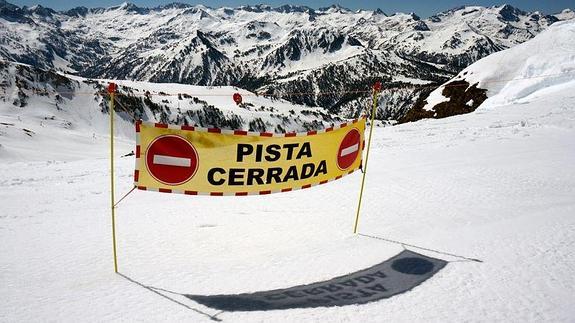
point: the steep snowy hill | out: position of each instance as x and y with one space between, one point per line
515 75
279 50
43 108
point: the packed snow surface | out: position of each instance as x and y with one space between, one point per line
496 184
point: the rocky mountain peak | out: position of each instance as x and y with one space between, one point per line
510 13
335 8
379 12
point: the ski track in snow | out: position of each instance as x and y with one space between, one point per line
497 184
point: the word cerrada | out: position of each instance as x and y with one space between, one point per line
261 153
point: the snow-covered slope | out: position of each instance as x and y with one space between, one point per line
274 49
463 35
43 108
496 184
515 75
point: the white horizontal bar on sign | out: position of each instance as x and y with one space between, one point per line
349 150
172 161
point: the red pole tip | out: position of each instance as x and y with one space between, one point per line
112 88
377 86
237 98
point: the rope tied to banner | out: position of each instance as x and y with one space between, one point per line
125 195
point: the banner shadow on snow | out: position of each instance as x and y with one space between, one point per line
391 277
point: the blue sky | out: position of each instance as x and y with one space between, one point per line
423 8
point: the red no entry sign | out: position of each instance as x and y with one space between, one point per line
172 160
349 149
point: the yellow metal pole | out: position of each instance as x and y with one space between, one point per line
112 91
374 110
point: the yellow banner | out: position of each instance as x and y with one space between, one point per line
210 161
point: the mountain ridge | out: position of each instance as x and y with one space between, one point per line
274 50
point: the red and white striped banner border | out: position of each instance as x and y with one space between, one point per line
290 189
244 132
237 133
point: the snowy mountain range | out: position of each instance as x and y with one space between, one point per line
271 50
496 185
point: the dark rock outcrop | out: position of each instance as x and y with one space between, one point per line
463 99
